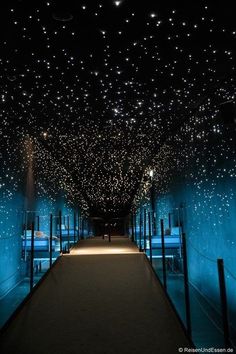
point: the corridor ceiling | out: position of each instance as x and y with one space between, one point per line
97 83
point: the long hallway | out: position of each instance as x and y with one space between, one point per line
102 298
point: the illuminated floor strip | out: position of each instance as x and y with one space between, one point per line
96 246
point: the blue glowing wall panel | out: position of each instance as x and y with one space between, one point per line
196 182
32 184
11 217
204 199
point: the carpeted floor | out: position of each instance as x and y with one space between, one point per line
97 303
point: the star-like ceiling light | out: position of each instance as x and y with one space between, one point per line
117 3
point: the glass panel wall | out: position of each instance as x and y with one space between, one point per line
27 255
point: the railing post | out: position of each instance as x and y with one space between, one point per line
186 288
32 258
169 219
78 235
163 254
60 230
140 231
150 235
68 233
82 228
74 226
50 242
223 299
154 222
25 233
144 230
88 226
38 223
132 227
109 232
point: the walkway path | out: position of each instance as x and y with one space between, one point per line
106 301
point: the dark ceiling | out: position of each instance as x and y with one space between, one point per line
99 82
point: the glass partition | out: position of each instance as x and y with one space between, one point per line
200 307
230 282
31 252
